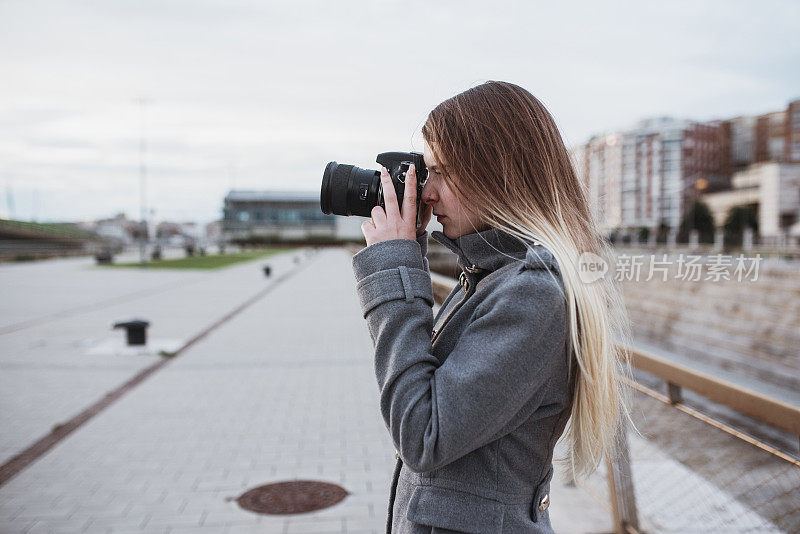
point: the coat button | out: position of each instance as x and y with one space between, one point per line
396 454
545 502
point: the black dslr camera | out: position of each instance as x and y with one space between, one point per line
351 190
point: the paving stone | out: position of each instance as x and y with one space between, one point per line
283 391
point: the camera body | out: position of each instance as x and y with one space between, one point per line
350 190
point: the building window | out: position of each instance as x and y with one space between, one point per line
244 216
289 216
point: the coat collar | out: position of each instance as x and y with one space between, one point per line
491 249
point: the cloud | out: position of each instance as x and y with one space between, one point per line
262 95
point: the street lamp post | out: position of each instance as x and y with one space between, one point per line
142 182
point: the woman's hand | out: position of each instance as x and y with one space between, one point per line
391 224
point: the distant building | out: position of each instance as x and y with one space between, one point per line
166 230
280 215
214 232
118 229
773 189
649 175
179 234
743 136
645 176
287 215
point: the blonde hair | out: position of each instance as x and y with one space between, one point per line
501 149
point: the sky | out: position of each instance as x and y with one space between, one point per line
261 95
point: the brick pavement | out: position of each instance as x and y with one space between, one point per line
285 390
48 372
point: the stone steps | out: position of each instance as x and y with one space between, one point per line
750 327
744 328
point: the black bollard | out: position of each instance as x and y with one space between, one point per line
104 257
136 330
267 270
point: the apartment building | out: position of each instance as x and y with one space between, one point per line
649 174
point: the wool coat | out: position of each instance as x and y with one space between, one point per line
475 398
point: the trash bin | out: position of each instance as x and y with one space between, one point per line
136 331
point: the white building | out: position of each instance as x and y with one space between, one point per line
774 187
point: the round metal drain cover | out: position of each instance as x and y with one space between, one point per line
294 497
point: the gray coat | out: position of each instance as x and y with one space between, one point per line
475 398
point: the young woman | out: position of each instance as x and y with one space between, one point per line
476 398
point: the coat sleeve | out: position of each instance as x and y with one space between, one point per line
506 359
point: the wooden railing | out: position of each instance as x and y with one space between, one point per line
676 376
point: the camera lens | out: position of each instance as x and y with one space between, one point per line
349 190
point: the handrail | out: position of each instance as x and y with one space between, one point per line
767 409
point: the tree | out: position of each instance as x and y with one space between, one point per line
663 232
739 218
697 217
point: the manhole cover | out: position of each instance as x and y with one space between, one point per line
294 497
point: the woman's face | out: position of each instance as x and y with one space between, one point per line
454 215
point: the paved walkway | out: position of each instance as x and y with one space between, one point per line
56 342
283 390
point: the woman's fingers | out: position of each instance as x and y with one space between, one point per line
410 195
378 215
389 195
388 222
367 228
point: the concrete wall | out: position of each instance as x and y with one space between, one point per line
748 327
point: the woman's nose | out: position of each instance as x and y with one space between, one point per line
428 193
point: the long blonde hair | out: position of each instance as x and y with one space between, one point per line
502 153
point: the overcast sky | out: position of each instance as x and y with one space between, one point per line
261 95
